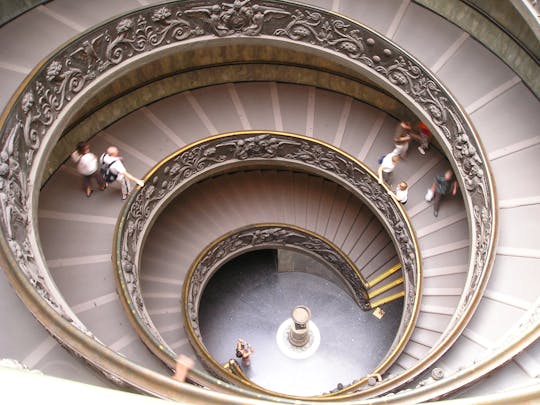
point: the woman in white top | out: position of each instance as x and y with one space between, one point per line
387 166
87 166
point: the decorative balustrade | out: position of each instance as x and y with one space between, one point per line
254 149
54 91
267 236
256 237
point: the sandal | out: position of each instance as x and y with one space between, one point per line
89 192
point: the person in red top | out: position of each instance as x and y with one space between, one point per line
423 135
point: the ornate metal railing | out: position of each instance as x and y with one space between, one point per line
267 236
256 237
37 114
252 149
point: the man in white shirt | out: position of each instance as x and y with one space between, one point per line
387 166
114 162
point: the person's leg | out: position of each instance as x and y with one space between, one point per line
436 203
126 186
386 177
404 149
424 143
87 185
83 183
99 180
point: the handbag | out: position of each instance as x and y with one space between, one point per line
429 195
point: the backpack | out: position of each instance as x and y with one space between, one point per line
106 173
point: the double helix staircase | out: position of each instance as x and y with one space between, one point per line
76 232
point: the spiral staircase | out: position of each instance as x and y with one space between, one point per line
470 338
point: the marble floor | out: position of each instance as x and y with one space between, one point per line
247 298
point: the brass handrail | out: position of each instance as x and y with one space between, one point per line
384 275
388 299
385 287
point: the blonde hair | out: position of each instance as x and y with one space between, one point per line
403 186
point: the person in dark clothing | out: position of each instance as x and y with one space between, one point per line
444 184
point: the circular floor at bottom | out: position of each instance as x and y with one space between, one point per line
248 299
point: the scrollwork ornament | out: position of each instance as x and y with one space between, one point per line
261 237
69 72
219 152
238 17
312 27
66 81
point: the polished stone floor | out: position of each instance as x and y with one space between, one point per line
247 298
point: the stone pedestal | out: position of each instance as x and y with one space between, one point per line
298 337
299 332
